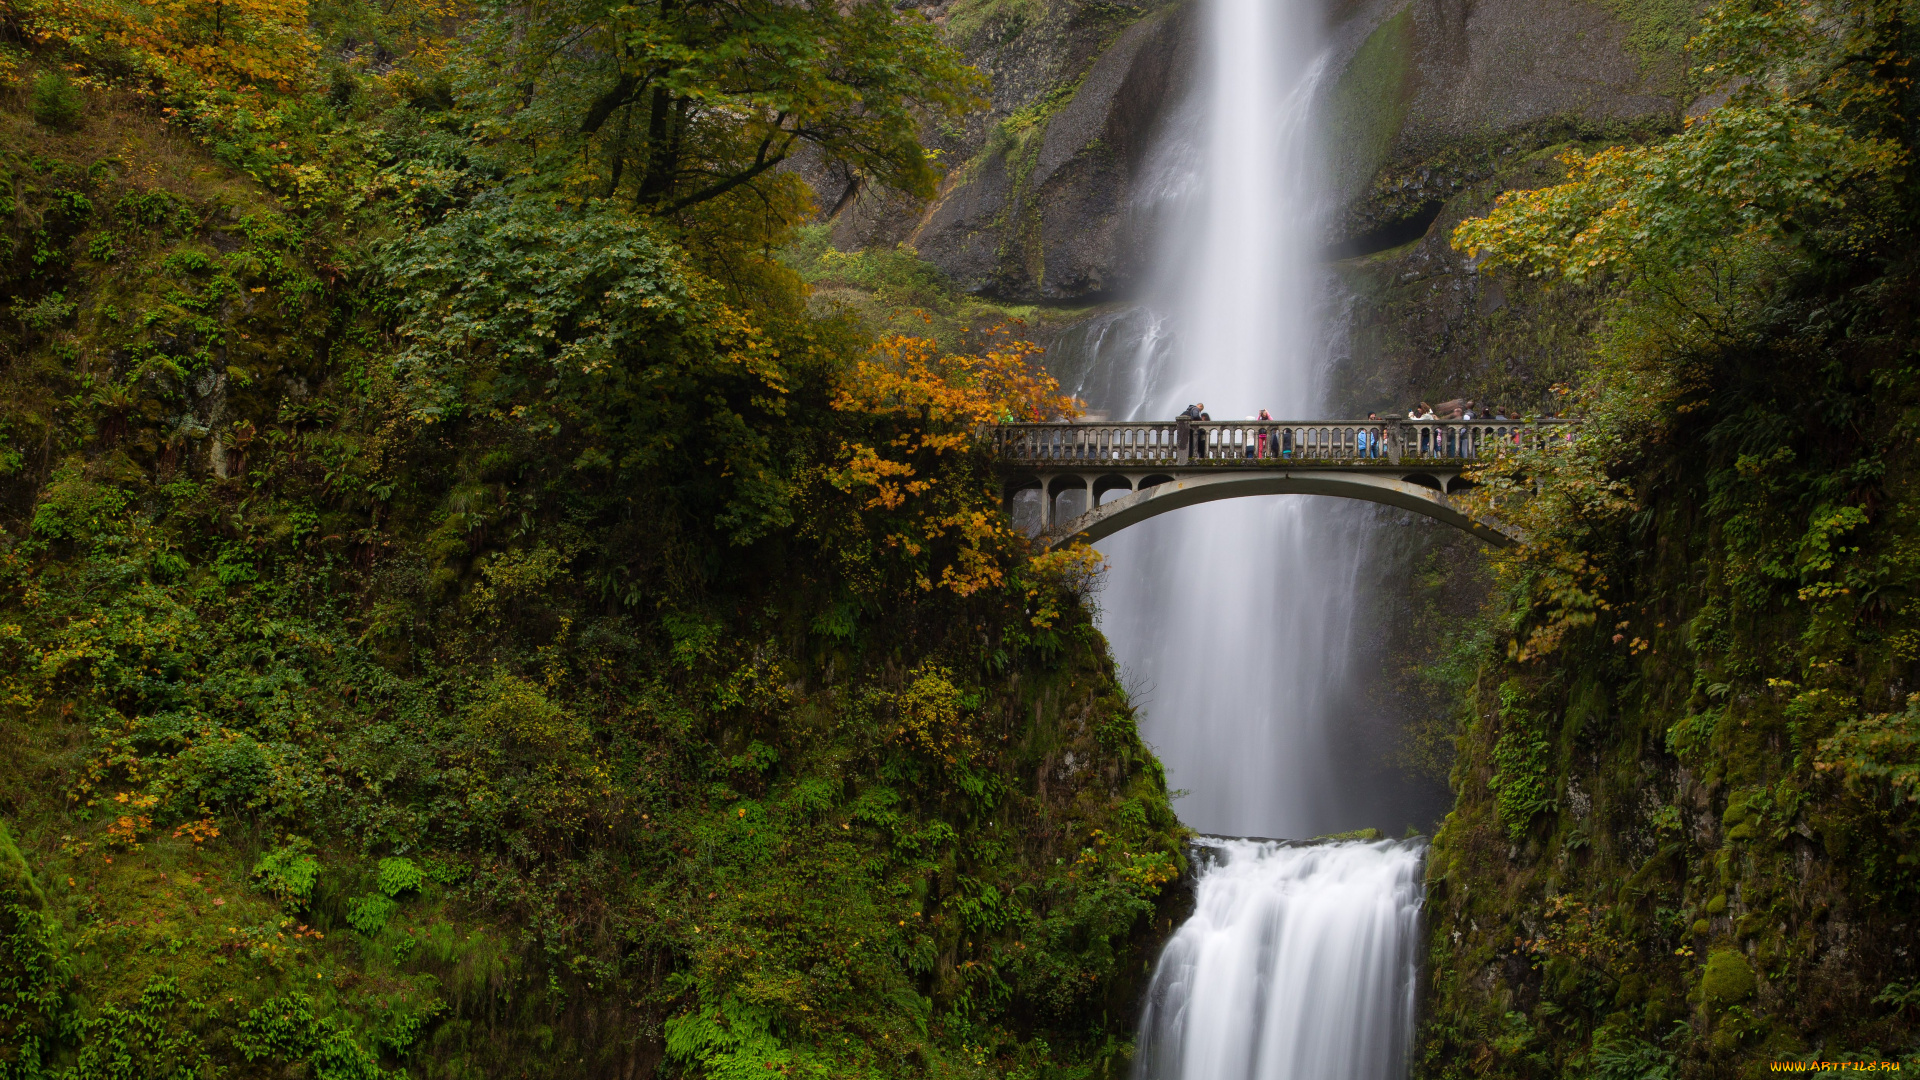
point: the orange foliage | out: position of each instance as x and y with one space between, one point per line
126 830
198 831
907 375
937 404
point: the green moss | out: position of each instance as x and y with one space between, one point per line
1368 104
1657 30
895 290
1355 834
16 877
1728 979
1007 18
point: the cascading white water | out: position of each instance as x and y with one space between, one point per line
1297 964
1235 620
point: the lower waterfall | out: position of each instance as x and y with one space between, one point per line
1298 962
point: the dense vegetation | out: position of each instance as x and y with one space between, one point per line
1684 843
462 614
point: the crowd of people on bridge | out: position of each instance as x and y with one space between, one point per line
1278 442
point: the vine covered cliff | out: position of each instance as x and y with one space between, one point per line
1683 843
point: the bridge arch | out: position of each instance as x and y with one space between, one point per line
1416 465
1176 492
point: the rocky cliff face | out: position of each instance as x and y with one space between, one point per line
1035 205
1432 100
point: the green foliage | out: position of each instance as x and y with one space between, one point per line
286 1029
398 875
733 1041
144 1038
389 461
585 322
1771 172
288 873
894 289
1629 1058
676 104
1716 596
57 103
35 974
432 461
369 914
1879 751
1522 784
1007 18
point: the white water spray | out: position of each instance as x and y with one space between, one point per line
1298 963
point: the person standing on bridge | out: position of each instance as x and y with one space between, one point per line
1196 439
1370 437
1265 418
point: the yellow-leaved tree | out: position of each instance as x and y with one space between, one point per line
1697 234
917 463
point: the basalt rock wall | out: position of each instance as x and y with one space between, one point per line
1429 101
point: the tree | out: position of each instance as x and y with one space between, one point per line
581 331
674 103
1811 128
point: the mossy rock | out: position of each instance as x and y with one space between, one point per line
1728 979
1632 991
1356 834
1717 905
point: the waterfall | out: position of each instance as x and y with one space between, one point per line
1298 962
1235 620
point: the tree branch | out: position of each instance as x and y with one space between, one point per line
761 163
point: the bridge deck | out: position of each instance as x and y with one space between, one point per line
1414 464
1264 444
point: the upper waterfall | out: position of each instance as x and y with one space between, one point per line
1234 621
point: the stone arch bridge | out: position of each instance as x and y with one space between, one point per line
1416 465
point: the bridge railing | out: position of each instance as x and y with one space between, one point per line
1268 443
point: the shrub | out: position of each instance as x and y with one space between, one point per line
399 875
369 914
288 873
57 103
